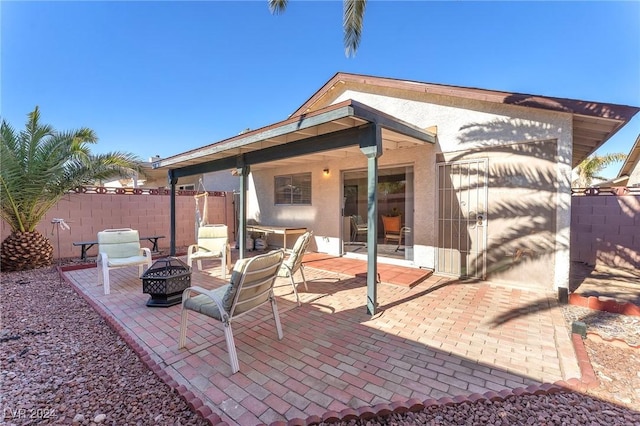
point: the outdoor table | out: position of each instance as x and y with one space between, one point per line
86 245
280 230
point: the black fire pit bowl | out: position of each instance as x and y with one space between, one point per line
165 281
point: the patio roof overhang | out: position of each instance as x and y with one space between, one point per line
344 129
339 131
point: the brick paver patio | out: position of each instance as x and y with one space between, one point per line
438 338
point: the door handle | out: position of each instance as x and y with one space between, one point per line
480 218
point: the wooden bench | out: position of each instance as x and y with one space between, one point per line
86 245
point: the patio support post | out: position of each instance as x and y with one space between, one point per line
371 147
243 172
172 233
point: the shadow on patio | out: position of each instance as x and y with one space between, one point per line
428 341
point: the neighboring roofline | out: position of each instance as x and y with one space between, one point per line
572 106
612 182
632 159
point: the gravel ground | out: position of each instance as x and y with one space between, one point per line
618 370
60 363
558 409
605 324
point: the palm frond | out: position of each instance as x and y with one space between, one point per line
40 165
352 23
591 166
277 6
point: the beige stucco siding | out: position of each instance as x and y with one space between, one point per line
634 176
464 128
471 125
221 181
323 216
522 215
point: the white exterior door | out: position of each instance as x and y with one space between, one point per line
462 218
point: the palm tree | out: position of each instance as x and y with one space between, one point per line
38 166
352 18
589 168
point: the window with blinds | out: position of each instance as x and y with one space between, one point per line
293 189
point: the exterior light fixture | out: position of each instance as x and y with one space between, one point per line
326 171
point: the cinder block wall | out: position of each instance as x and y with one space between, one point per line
605 230
88 213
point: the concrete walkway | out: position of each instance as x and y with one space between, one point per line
437 338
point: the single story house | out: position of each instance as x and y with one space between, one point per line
480 179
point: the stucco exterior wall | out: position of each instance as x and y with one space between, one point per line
634 176
521 212
472 126
221 181
464 128
324 215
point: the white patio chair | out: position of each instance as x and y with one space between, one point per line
294 262
213 243
250 287
120 248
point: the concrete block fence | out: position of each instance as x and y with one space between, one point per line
90 210
605 227
605 223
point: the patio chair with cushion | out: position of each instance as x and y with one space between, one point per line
250 287
294 262
213 243
120 248
358 227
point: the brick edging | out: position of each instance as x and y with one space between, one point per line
69 268
607 305
588 380
416 405
588 377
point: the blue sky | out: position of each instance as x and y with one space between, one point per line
164 77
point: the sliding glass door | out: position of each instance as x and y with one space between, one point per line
395 212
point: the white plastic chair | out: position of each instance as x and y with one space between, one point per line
213 243
120 248
294 262
250 287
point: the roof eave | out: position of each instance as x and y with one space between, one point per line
632 159
574 106
301 122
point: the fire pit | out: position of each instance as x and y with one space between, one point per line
165 281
